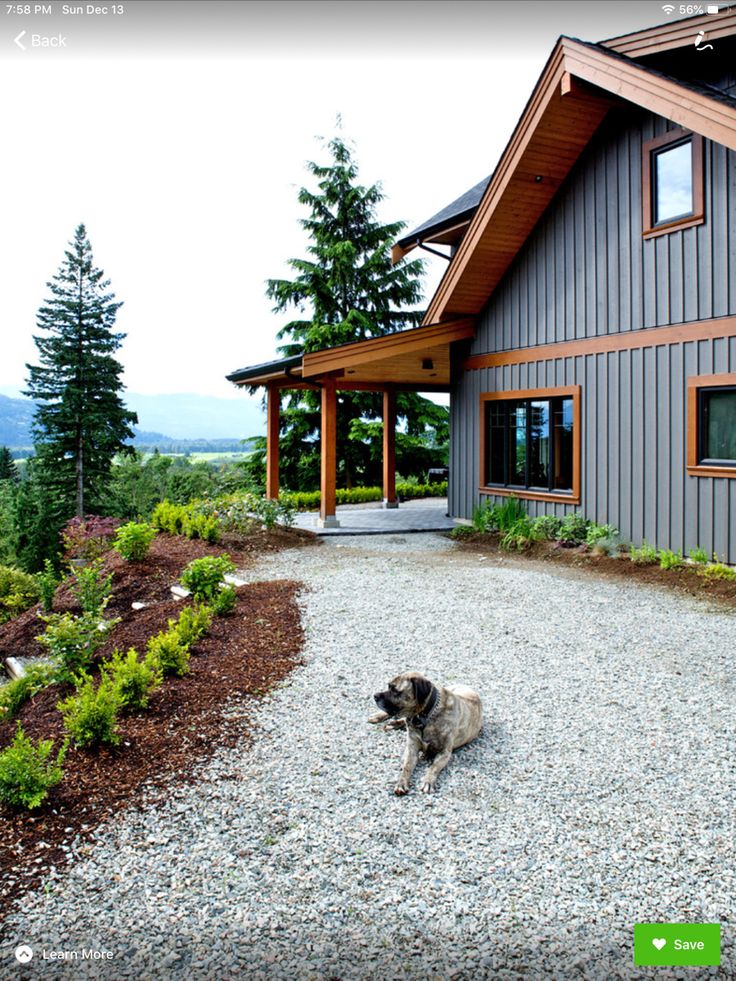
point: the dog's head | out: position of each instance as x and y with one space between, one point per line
405 696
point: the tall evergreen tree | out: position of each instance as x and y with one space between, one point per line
81 421
8 469
346 290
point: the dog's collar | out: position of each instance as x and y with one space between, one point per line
430 707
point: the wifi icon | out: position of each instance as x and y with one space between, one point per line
668 8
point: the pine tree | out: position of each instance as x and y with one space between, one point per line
348 290
81 421
8 469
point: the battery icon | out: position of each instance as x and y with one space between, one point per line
712 8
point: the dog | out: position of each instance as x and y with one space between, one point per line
437 720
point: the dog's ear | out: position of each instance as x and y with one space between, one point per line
422 690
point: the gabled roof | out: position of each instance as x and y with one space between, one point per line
577 87
447 226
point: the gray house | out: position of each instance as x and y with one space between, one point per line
586 324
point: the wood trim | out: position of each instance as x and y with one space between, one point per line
272 441
617 77
389 447
694 384
697 216
378 348
328 451
672 34
573 391
699 330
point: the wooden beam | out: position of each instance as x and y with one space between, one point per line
272 441
389 449
328 455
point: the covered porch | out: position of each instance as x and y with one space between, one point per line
416 360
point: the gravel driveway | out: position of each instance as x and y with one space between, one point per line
600 794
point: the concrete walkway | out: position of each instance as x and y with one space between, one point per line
429 514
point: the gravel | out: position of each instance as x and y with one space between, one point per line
600 793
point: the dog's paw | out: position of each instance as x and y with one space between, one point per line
401 789
427 787
393 724
378 717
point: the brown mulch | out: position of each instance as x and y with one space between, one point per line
245 653
684 579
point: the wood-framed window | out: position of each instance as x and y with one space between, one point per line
711 426
530 444
672 183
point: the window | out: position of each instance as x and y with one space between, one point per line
672 183
530 443
711 447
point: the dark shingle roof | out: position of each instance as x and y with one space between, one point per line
460 209
267 368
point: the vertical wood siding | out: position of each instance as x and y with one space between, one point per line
586 272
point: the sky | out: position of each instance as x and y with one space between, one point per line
178 133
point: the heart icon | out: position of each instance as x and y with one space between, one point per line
659 942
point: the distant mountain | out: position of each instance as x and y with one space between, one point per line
199 416
180 417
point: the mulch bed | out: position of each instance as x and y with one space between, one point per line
684 579
245 653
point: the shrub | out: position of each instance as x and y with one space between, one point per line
669 559
462 531
224 602
484 518
92 592
597 533
546 528
135 680
699 556
716 571
573 530
169 517
193 623
134 540
518 537
91 716
26 772
47 582
18 592
89 537
16 692
203 577
202 526
646 555
168 653
72 641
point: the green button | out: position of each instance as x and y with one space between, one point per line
673 944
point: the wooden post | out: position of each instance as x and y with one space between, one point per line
272 442
389 449
328 455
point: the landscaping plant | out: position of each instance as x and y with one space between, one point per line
646 555
135 679
88 538
204 577
91 716
18 592
133 540
15 693
26 771
546 528
699 556
519 536
669 559
47 583
192 624
169 653
573 530
224 602
91 590
72 641
717 571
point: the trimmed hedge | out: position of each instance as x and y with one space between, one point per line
310 500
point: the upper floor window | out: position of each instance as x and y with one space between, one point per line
672 179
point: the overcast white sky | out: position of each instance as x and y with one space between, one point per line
178 132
